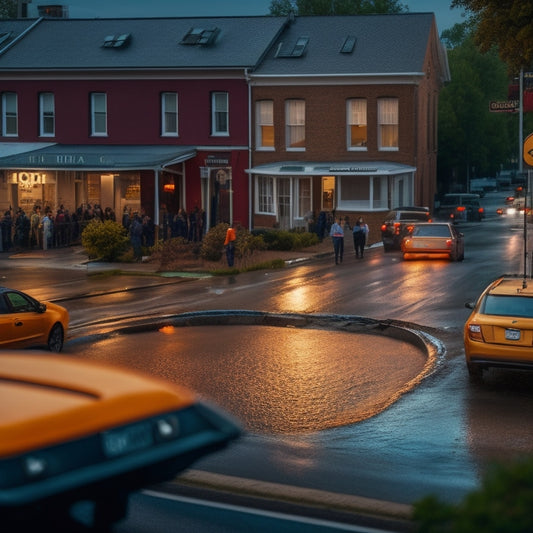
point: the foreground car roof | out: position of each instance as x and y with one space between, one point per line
511 286
55 398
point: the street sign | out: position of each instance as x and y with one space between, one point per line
506 106
528 150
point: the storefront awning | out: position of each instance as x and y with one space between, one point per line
91 157
333 168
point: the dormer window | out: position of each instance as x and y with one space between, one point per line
297 50
349 44
200 36
117 41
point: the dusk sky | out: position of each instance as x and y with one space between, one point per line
446 17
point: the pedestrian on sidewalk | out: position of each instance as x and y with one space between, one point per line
360 232
337 234
229 243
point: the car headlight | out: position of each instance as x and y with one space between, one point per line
474 332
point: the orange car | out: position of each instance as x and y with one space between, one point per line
433 240
75 431
499 331
26 322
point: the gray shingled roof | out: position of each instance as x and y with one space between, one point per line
386 44
77 44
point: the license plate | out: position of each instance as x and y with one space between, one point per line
512 334
126 440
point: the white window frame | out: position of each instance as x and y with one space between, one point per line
220 114
47 118
264 121
265 194
295 125
388 124
9 114
169 114
99 114
303 197
356 116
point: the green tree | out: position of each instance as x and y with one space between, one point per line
505 24
473 142
8 9
336 7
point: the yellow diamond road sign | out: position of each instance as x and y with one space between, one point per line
528 150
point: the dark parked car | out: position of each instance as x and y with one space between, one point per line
461 207
397 222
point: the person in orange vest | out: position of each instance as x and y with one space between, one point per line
229 243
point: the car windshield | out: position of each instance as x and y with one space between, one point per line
432 230
521 306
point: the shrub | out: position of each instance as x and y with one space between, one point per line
287 240
213 243
502 503
104 240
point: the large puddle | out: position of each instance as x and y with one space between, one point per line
275 379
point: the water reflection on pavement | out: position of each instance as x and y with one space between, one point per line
275 379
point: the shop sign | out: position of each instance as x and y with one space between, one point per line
506 106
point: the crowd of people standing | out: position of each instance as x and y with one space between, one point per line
44 229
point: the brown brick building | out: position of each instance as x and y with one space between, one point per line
344 114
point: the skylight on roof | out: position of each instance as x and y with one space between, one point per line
297 50
200 36
349 44
117 41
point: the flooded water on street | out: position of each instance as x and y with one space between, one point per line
275 379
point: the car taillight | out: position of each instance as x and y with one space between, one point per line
481 210
384 227
449 243
461 208
474 332
397 228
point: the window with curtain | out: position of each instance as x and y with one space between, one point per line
357 127
219 114
265 194
295 124
388 123
46 115
98 114
264 124
169 114
9 115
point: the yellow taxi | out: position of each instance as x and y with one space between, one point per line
499 331
25 322
73 431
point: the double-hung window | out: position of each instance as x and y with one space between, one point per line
356 124
388 123
219 114
264 125
265 194
46 115
169 114
98 114
9 115
295 124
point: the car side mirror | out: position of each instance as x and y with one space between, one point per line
470 305
41 308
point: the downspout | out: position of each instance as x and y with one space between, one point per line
156 203
250 178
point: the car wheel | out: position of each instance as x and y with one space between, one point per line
453 256
55 339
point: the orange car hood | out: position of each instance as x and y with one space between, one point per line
50 399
